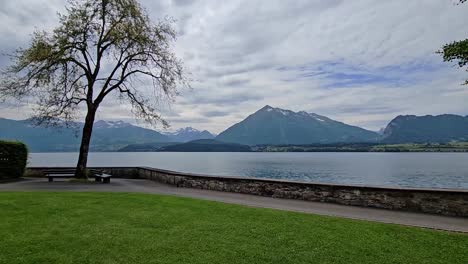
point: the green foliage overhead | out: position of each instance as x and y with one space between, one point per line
456 51
13 158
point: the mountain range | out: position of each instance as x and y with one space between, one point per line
188 134
267 126
271 125
206 145
426 129
107 135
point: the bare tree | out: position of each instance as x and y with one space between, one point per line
100 47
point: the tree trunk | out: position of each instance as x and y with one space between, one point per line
85 141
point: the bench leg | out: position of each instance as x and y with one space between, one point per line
51 179
107 180
98 179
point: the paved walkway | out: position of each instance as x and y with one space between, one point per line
145 186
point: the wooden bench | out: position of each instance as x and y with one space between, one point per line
59 173
98 175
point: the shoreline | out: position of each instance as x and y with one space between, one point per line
449 202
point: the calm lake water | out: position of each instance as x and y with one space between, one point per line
428 170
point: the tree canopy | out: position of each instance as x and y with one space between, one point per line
457 51
99 47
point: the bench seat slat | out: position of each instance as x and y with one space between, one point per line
99 175
59 171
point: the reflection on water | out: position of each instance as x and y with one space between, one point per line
431 170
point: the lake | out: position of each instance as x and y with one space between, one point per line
426 170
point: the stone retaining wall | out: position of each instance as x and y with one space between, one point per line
434 201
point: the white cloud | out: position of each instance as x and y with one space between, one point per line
235 48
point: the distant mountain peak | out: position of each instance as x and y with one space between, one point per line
266 108
271 125
284 112
188 134
186 130
111 124
107 135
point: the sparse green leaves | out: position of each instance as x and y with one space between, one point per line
100 47
456 51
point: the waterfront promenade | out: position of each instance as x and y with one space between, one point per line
457 224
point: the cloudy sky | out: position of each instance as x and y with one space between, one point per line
358 61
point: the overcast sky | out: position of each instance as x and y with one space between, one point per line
357 61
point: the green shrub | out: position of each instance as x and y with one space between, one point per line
13 158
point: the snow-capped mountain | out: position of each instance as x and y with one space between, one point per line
285 112
188 134
110 124
107 135
271 125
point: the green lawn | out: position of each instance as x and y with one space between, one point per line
139 228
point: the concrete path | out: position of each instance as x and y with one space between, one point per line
456 224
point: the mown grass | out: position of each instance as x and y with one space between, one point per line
40 227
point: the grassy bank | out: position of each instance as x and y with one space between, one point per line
140 228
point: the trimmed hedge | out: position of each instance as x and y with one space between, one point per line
13 158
